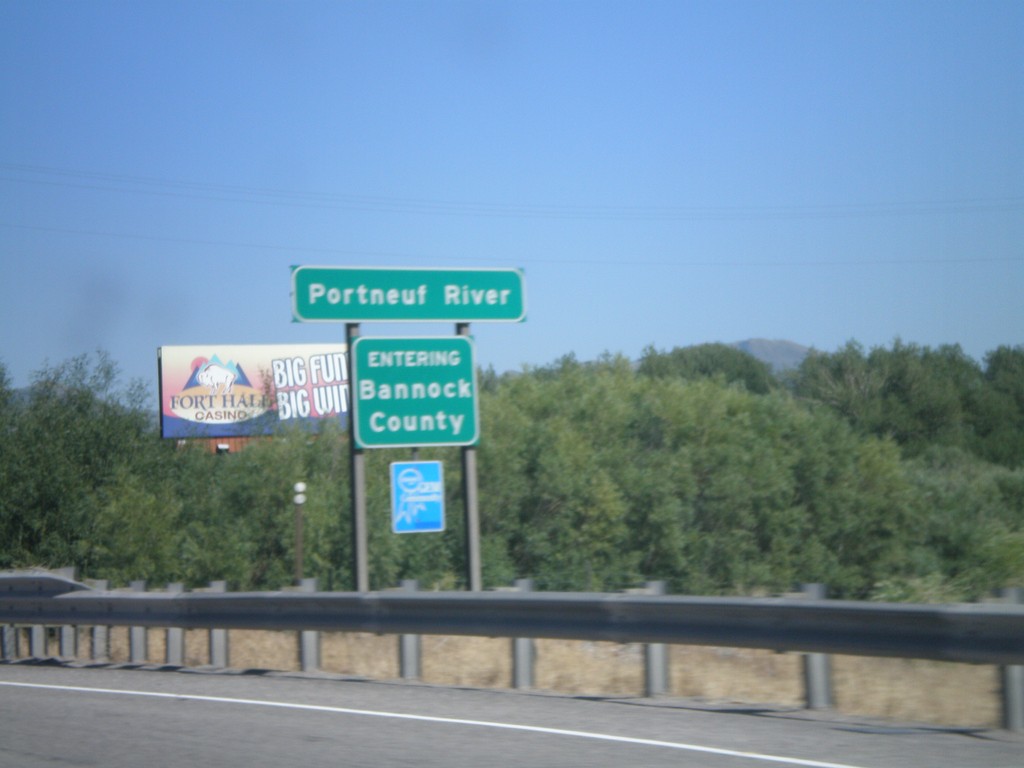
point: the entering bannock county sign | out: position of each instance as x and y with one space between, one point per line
369 294
414 391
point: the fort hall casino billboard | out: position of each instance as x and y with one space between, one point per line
251 389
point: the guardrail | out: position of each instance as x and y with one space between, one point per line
981 633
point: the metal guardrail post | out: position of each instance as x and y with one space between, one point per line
218 637
68 641
1013 678
174 654
37 641
817 666
410 647
9 642
100 650
309 639
523 650
656 677
138 639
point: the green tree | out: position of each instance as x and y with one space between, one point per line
876 478
969 525
928 395
701 483
918 396
134 532
561 517
238 514
770 493
844 381
999 420
731 365
69 438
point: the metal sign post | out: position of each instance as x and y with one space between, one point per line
357 477
470 499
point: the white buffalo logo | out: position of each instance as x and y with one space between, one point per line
216 376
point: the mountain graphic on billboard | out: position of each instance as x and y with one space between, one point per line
214 372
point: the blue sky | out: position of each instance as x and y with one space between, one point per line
666 173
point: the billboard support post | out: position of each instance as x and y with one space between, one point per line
299 499
357 477
474 580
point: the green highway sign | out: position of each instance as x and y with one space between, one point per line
410 392
369 294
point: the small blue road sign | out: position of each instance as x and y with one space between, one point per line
417 497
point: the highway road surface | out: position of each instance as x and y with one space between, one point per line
53 715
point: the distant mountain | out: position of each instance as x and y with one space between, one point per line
780 355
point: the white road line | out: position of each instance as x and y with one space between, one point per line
443 721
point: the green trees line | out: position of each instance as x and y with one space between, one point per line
895 473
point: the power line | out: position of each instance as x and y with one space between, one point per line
112 182
626 260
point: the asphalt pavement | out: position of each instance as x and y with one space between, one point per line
57 715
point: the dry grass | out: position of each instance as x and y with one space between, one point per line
248 649
737 674
964 695
359 654
942 693
589 668
479 662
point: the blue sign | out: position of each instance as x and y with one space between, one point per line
417 497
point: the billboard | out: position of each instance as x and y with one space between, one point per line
238 390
